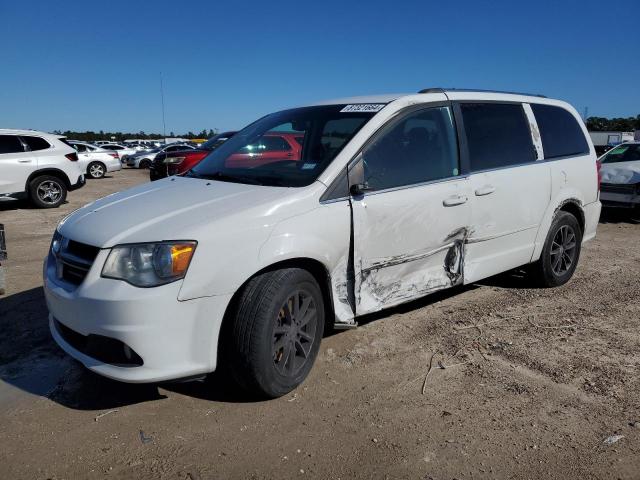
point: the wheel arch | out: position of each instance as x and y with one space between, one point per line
54 172
315 267
574 207
570 204
95 161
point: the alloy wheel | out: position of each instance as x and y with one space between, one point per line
96 171
294 333
563 250
49 192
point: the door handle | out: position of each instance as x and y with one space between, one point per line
486 190
454 200
24 160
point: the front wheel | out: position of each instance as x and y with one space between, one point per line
96 170
277 328
144 163
561 251
47 191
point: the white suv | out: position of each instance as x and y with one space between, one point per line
245 261
39 166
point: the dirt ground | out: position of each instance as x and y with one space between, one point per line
533 392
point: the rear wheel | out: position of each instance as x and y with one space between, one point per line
561 251
96 170
276 333
146 163
47 191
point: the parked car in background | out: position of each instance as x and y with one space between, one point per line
174 163
390 199
39 166
269 148
620 187
95 161
145 158
121 150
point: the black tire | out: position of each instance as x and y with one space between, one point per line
145 163
47 191
561 252
96 170
264 333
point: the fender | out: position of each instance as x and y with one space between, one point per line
565 196
321 235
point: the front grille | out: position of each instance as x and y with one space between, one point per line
626 188
75 260
105 349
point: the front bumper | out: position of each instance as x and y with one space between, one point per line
114 166
174 339
619 200
79 183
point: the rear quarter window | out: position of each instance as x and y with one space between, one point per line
36 143
561 134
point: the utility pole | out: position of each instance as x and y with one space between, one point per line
585 115
164 125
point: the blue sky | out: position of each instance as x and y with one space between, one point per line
96 65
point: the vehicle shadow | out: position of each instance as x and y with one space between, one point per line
619 215
9 205
31 362
6 205
413 305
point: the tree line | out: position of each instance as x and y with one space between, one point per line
91 136
601 124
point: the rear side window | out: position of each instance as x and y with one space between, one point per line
561 134
79 147
498 135
36 143
10 144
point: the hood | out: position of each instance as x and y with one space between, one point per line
621 172
175 208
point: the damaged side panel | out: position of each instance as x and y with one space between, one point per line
394 280
407 244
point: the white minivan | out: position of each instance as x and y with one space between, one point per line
39 166
245 261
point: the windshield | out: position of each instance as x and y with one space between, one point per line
623 153
289 148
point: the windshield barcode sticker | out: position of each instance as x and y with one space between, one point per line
363 107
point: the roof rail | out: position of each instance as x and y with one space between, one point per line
476 90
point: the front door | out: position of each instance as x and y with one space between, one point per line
411 211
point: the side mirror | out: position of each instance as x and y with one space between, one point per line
358 189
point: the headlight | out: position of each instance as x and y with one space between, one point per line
149 264
174 159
